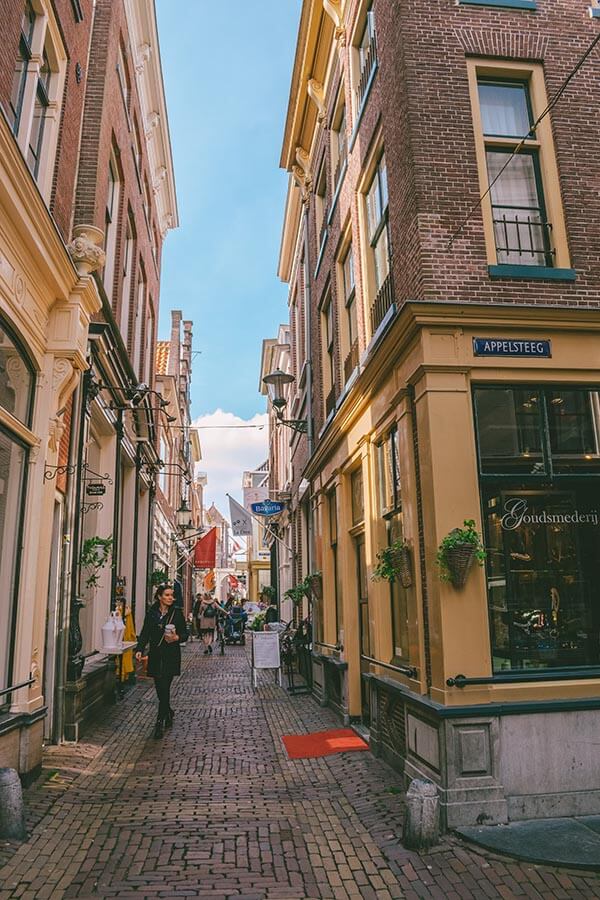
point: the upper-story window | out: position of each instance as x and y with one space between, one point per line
521 206
350 332
521 230
321 204
111 215
37 84
388 474
366 54
328 337
20 71
128 257
123 75
379 244
138 329
339 142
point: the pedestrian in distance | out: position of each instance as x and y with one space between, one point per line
164 630
207 621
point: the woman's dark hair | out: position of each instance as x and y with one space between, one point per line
160 591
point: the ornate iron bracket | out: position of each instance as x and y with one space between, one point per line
88 507
95 475
51 472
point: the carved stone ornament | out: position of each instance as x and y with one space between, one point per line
35 666
152 122
301 173
333 8
143 55
317 95
86 248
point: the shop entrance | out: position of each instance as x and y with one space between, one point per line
543 570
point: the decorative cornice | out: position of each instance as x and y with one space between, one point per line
302 174
143 36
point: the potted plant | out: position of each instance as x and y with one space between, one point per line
268 593
297 594
159 576
95 554
315 584
394 562
457 553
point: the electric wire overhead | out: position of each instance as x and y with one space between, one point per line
521 143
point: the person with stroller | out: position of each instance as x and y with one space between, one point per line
207 621
235 625
164 630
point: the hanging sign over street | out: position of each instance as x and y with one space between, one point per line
512 347
95 489
268 508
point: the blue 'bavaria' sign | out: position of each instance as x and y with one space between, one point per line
511 347
268 508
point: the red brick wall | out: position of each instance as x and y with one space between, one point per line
75 36
106 125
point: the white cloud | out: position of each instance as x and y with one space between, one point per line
228 452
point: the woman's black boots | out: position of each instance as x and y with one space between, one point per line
158 729
169 719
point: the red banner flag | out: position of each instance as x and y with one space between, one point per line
205 553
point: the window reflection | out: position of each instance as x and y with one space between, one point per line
16 379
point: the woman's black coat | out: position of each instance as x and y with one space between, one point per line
163 658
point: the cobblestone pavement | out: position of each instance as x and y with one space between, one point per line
217 810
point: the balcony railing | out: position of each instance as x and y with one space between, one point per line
523 240
370 61
382 302
330 402
351 361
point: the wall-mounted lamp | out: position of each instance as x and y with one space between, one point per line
276 382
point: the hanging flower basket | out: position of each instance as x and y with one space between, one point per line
459 561
394 563
402 564
457 553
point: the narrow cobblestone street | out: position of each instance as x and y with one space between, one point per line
217 810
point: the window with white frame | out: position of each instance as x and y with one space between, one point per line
149 344
128 257
328 356
339 142
138 331
111 216
36 90
123 76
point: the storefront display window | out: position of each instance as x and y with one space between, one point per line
542 525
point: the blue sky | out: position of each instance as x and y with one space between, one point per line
227 69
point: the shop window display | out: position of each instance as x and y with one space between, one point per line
542 527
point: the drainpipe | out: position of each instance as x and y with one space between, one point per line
136 512
116 511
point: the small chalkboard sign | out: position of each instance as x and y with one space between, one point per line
95 489
265 652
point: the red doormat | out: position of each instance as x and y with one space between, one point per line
322 743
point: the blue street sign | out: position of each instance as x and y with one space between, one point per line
512 347
267 508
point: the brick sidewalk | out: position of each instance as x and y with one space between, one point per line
217 810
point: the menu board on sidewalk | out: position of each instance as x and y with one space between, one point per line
265 650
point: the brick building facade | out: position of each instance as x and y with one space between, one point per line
87 197
439 246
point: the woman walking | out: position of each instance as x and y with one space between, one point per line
207 621
164 630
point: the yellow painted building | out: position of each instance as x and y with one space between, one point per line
445 361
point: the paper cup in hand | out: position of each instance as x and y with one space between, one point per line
169 629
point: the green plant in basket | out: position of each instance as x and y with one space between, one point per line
393 563
458 551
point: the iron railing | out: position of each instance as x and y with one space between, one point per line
351 361
382 303
330 402
526 237
369 64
